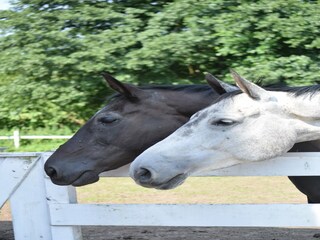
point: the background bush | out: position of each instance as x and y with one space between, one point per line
53 51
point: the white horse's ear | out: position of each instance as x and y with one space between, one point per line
253 90
218 85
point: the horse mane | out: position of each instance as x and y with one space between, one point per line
186 88
299 91
307 91
227 95
294 91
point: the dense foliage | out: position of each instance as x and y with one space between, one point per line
53 51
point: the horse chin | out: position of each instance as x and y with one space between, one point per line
85 178
172 183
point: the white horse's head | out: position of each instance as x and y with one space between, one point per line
248 125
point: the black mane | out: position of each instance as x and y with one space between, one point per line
299 91
294 91
187 88
307 91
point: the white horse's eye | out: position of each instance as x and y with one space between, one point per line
223 122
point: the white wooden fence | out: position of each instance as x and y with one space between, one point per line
42 210
16 137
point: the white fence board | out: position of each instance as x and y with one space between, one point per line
61 195
291 164
12 172
29 208
201 215
16 137
42 210
19 154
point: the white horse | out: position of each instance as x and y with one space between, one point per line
243 126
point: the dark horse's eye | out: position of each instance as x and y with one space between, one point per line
223 122
108 119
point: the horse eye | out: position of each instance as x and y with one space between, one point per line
223 122
108 119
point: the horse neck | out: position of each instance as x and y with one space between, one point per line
305 107
305 112
187 103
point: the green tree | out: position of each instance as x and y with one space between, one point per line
53 51
278 41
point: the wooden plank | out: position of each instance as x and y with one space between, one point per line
6 137
66 233
37 137
29 208
119 172
12 173
46 137
291 164
65 195
61 194
19 154
200 215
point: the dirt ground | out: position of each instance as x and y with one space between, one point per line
183 233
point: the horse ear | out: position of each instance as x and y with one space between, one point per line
253 90
218 85
126 90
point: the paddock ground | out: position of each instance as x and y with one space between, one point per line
183 233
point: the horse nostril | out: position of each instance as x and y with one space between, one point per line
144 175
51 172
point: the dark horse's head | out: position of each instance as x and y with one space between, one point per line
135 119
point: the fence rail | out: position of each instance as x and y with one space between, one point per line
16 137
52 213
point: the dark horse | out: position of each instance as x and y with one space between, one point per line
135 119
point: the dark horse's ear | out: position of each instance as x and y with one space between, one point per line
218 85
129 91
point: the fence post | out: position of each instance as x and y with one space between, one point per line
16 138
64 195
29 208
